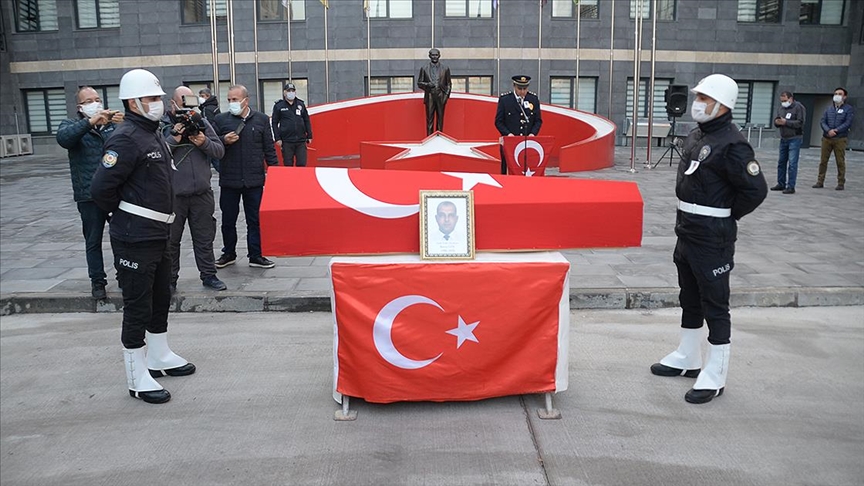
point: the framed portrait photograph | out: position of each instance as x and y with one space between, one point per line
447 225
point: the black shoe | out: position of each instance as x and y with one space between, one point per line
225 260
184 370
839 187
260 262
778 187
97 289
790 190
155 396
702 396
663 370
213 282
818 185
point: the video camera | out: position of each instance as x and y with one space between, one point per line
189 116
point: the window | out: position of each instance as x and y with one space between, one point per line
98 14
35 15
271 92
275 10
660 86
665 9
468 8
587 9
111 96
198 11
46 108
761 11
824 12
755 103
563 93
481 85
399 84
393 9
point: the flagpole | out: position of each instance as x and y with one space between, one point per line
578 52
368 49
326 53
651 94
231 65
214 45
255 44
497 4
635 123
539 43
433 25
611 58
290 61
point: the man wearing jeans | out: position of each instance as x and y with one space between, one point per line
790 120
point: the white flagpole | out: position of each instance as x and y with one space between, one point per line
368 50
433 24
539 42
651 93
578 52
214 48
498 45
231 64
611 58
636 48
255 44
326 57
290 61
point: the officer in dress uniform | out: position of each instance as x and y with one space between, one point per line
718 183
518 113
134 183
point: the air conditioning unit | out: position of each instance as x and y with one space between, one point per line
25 144
10 145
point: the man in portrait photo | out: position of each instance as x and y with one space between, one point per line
446 236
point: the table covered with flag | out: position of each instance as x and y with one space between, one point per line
408 329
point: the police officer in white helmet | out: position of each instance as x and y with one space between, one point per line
134 183
719 182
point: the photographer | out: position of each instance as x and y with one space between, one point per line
193 142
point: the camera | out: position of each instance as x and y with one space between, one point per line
188 115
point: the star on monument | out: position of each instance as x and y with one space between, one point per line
464 332
438 143
469 180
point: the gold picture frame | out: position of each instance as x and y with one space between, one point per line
447 225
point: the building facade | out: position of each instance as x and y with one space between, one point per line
580 53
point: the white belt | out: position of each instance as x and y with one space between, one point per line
146 213
704 210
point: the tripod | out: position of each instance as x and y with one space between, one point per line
671 149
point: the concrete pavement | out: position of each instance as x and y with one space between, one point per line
259 410
795 250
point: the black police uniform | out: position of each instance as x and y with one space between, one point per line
291 125
517 118
719 182
135 178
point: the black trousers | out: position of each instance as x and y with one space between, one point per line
197 210
703 275
144 273
229 203
93 224
292 150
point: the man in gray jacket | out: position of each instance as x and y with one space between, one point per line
790 120
192 150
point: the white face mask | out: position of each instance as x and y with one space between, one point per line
786 104
201 100
290 95
697 111
838 99
91 109
155 109
235 107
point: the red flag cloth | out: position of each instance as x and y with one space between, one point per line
413 330
527 156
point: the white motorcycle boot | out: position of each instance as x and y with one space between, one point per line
712 379
684 361
161 360
141 384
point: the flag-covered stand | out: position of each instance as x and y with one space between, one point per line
407 329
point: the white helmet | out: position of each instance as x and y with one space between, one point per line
720 87
139 83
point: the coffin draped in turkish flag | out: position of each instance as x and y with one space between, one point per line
412 330
527 156
332 211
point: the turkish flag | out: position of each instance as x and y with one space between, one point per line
413 330
527 156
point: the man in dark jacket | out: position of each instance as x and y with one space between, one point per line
248 145
84 137
518 113
836 122
790 120
193 196
291 127
134 184
208 104
719 182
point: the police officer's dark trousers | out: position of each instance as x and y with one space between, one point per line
291 150
703 276
144 274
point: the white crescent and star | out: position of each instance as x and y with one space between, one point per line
337 183
383 327
529 145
